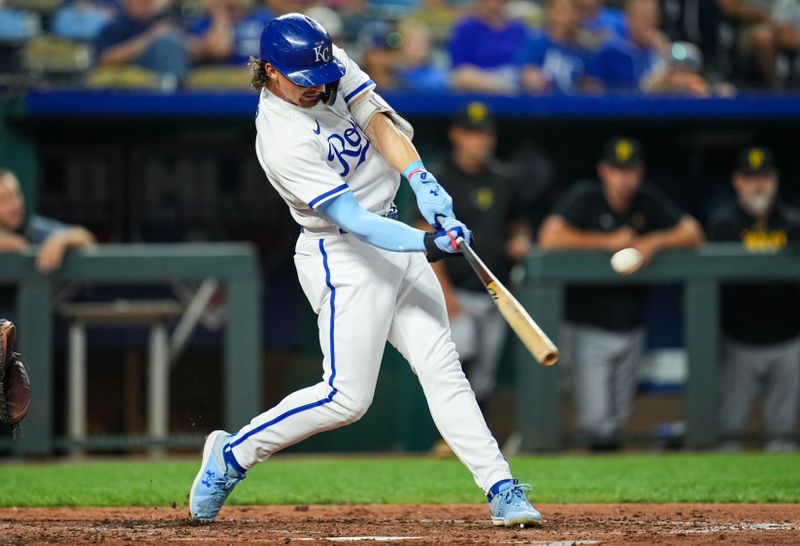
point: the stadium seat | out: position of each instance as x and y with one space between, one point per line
51 55
218 77
124 77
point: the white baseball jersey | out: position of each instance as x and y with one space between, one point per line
311 155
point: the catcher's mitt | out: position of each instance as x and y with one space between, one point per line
15 388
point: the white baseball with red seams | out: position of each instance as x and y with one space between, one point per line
363 295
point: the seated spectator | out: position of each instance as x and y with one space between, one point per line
230 32
761 322
415 71
786 15
485 48
379 42
17 234
80 20
628 64
606 324
354 16
755 34
144 34
682 73
552 59
598 23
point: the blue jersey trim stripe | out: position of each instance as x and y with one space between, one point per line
358 90
328 194
334 390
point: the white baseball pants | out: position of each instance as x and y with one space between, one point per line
363 296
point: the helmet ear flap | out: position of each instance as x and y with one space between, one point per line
331 90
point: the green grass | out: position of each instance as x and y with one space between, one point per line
567 479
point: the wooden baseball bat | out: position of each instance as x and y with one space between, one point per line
536 341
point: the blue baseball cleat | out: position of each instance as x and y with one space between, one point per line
215 480
509 507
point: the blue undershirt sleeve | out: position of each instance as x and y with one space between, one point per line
345 211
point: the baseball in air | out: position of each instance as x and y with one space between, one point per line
627 261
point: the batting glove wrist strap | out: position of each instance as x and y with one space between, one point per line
433 250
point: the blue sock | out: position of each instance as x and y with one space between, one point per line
230 460
496 487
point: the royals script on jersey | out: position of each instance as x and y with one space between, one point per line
311 155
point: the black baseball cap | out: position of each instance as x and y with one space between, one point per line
475 116
756 160
623 152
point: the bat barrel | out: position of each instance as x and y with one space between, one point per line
550 358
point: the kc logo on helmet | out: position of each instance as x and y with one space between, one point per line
322 53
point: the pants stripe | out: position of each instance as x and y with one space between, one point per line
236 441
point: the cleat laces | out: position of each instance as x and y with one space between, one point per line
516 493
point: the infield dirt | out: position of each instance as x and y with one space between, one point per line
614 524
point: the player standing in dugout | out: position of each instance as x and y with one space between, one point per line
334 150
604 330
761 322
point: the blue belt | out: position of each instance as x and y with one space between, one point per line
391 214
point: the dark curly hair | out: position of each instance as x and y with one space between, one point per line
258 74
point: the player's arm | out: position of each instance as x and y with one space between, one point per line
345 211
216 43
391 135
52 251
741 11
11 242
434 203
687 233
127 51
558 234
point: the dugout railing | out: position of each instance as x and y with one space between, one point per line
700 273
234 265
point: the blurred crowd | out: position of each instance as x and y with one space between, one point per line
693 47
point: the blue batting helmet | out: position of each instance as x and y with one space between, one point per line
300 49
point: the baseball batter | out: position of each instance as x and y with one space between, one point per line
334 150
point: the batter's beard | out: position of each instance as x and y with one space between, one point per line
308 103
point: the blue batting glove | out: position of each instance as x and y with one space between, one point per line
444 243
432 199
457 229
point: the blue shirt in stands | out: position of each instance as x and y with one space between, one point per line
563 63
121 29
476 43
421 78
609 21
623 66
39 228
79 22
246 34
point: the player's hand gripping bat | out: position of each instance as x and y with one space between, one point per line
517 317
